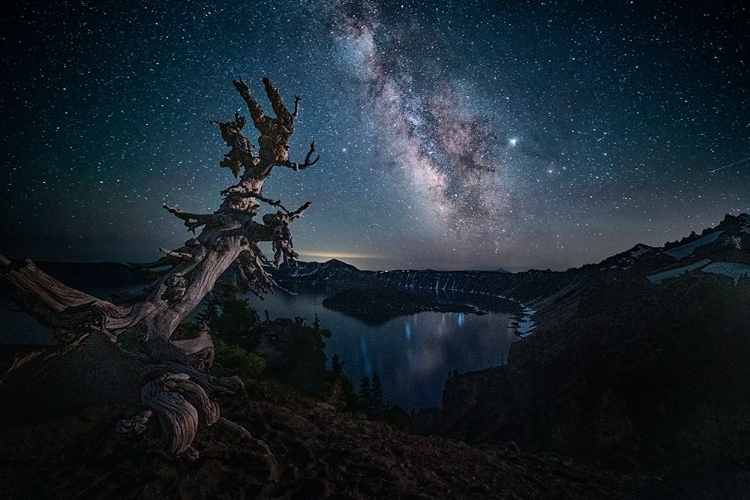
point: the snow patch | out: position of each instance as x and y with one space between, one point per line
686 250
731 269
526 325
639 250
657 278
298 273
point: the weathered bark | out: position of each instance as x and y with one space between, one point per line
228 236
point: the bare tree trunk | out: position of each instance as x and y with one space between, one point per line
179 395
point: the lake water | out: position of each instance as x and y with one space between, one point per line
413 355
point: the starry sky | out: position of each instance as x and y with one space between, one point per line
454 135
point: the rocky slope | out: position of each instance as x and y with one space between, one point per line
307 451
646 356
334 276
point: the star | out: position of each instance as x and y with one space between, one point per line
430 152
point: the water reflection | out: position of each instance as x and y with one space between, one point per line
366 364
413 355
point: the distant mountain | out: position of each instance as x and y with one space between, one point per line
333 265
328 277
333 277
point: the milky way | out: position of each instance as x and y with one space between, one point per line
441 151
453 134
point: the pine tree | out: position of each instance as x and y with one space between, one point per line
365 392
337 367
377 406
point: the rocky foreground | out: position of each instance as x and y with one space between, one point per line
304 451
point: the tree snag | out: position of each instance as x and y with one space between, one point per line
178 389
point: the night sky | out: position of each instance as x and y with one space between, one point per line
453 135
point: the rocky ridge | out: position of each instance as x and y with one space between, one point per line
643 357
301 451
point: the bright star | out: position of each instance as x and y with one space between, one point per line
513 141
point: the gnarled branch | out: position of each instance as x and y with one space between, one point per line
301 166
180 405
69 312
296 106
256 112
253 278
200 347
241 154
192 221
282 237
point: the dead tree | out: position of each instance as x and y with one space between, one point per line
178 394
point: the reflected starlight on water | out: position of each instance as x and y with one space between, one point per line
366 364
413 355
